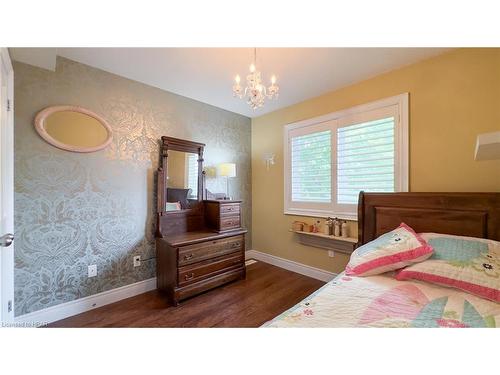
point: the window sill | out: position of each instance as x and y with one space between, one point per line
323 214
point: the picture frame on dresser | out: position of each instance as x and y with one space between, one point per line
202 245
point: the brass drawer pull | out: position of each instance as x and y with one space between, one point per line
235 244
188 256
189 276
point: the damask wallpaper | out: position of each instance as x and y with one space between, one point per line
74 210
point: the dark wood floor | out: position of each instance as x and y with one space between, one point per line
266 292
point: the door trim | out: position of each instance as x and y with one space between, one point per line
7 166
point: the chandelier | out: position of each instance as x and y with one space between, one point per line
255 92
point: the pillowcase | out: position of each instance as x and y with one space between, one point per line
466 263
173 206
390 251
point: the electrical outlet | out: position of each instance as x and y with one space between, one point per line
331 254
92 270
137 261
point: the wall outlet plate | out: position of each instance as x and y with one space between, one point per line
92 270
331 253
137 261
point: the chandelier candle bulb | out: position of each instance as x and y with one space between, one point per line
254 91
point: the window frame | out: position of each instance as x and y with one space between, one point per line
333 121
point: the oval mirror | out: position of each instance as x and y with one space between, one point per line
73 128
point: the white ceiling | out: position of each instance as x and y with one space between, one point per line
207 74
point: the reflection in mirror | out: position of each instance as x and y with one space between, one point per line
73 129
182 180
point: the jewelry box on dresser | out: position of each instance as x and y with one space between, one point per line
200 243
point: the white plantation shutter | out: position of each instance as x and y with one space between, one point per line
192 173
365 159
311 167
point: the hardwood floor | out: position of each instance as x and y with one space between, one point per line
266 292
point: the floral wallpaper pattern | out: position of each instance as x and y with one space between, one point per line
74 210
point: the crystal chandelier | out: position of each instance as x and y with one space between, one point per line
255 92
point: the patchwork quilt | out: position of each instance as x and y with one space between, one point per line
382 301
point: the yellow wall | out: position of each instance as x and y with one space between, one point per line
453 98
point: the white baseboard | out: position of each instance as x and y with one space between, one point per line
67 309
290 265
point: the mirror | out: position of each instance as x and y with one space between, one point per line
182 180
73 129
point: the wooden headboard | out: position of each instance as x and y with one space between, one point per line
464 214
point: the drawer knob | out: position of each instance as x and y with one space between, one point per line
189 276
188 256
235 244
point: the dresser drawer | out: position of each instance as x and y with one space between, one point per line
229 222
208 268
230 209
209 249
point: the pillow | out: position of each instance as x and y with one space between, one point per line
390 251
178 195
173 206
466 263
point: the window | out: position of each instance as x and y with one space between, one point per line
330 159
192 174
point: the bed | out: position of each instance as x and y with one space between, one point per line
383 301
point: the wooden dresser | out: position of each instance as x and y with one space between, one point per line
191 263
201 246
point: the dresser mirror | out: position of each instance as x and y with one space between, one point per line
180 176
182 180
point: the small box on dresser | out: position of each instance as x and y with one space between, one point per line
223 215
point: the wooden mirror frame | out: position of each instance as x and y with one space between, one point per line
42 116
175 144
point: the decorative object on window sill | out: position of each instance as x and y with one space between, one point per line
336 227
269 160
255 92
298 226
316 226
227 170
488 146
73 128
344 229
328 230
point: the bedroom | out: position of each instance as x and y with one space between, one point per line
240 187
